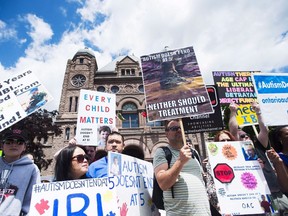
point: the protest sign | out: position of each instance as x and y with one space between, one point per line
245 115
21 95
235 86
272 93
133 179
95 109
206 122
174 87
78 197
238 177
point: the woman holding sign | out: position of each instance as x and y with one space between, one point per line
71 163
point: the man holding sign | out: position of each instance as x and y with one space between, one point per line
99 168
183 188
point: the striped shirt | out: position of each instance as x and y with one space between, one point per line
190 197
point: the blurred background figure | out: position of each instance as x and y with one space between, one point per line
134 151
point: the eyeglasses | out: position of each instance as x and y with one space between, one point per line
173 128
80 158
11 141
242 136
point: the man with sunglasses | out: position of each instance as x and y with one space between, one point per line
18 175
261 145
183 187
99 168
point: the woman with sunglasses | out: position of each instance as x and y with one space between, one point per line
18 175
71 163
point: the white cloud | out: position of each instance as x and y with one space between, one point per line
40 31
226 35
6 32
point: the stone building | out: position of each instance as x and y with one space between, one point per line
122 77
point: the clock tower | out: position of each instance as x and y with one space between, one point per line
79 74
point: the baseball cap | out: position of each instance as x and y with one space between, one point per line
16 133
34 89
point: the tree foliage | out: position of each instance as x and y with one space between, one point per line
39 126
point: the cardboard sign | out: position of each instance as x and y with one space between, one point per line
245 115
272 93
133 180
235 86
77 197
174 87
95 109
238 177
20 96
207 122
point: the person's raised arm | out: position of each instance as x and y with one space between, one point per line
280 168
233 125
263 133
166 178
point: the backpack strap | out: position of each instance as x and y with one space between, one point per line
168 156
195 154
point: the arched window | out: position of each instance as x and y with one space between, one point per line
67 133
130 114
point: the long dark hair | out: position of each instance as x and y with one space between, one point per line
63 164
275 138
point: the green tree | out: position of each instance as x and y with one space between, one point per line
39 126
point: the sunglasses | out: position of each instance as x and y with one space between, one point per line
80 158
173 128
242 136
16 141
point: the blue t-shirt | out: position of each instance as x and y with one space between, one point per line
98 169
284 158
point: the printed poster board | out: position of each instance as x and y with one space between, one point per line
238 177
21 95
235 86
78 197
126 192
173 85
206 122
133 180
272 93
95 110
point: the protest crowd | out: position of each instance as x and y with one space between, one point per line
189 180
193 189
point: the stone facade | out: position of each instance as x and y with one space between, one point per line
122 77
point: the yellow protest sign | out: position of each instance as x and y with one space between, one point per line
246 115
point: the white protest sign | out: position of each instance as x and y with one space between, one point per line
78 197
95 109
21 95
272 94
238 177
133 179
